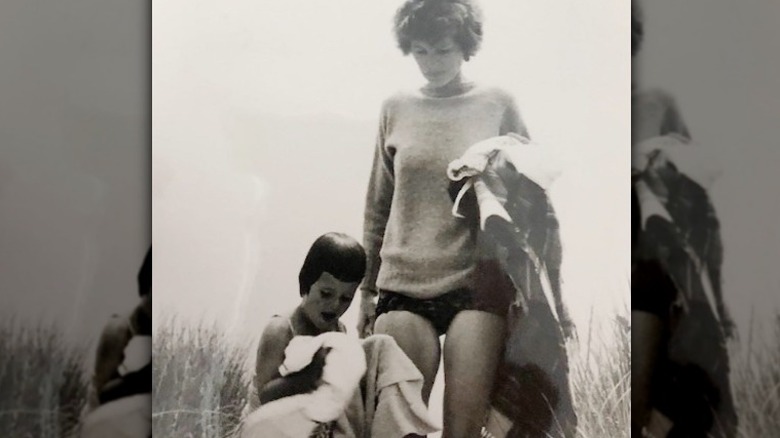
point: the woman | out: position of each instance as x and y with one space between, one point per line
680 383
422 278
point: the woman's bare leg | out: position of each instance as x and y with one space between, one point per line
472 351
418 339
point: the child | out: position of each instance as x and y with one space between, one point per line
120 399
329 277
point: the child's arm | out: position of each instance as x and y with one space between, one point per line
270 352
136 382
270 355
110 351
301 382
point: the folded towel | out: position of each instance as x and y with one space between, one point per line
540 164
345 365
387 405
688 158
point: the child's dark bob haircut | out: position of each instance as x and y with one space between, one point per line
337 254
637 28
433 20
145 275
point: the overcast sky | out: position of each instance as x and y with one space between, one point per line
265 115
74 160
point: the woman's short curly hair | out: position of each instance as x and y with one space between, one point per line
433 20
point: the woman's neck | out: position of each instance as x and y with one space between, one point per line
457 86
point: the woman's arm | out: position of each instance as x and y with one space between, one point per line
379 197
136 382
512 121
553 259
673 122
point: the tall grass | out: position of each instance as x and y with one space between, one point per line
200 381
756 381
44 385
601 380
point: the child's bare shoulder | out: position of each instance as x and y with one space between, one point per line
276 334
117 326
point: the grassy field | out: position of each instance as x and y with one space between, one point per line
43 381
201 379
201 376
756 380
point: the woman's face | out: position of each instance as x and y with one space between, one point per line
439 62
327 300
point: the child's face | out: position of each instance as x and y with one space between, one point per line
440 63
146 304
327 300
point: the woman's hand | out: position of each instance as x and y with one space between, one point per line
729 328
567 325
367 316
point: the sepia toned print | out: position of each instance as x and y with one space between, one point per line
445 139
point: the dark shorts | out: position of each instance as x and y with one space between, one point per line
493 294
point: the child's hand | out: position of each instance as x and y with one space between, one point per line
345 365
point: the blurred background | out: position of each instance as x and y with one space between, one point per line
75 160
75 186
717 58
720 64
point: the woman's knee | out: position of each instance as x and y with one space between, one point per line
416 336
404 322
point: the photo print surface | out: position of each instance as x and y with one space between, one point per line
705 299
294 139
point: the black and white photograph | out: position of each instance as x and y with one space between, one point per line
705 291
75 220
391 218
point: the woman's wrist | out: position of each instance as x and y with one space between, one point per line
369 294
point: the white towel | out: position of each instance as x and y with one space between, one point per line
691 159
540 164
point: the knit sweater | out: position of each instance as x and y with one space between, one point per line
654 112
415 245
